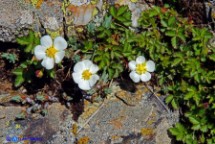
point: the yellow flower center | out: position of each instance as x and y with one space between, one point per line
51 51
86 74
141 68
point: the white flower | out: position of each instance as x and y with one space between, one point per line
140 69
85 74
79 2
50 52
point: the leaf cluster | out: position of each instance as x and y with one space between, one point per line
111 45
12 58
185 68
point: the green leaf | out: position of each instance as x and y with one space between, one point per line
18 71
170 33
212 57
121 10
194 120
164 24
19 80
22 41
176 61
40 98
169 99
16 99
29 48
113 11
51 73
107 22
174 42
171 21
174 104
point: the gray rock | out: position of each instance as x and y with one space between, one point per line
17 17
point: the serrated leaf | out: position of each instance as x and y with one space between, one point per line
29 48
174 42
174 131
121 10
169 99
170 33
113 11
171 21
174 104
107 22
19 80
22 41
18 71
122 19
193 120
40 98
127 15
164 24
212 57
31 37
16 99
176 61
196 127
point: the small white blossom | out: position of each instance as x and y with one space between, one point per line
85 74
50 52
140 69
79 2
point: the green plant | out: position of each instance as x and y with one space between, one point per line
185 70
112 46
28 67
12 58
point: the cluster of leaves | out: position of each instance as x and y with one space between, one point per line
12 58
185 70
109 45
183 59
184 62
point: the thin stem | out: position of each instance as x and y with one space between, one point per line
167 109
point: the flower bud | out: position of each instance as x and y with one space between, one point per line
39 73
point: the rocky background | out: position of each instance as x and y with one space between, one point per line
122 118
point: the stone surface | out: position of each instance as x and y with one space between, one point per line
128 118
123 117
19 16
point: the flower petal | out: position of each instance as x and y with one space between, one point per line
59 56
94 68
48 63
79 67
84 85
60 43
87 63
46 41
140 59
145 77
77 77
94 78
134 76
39 52
150 66
132 65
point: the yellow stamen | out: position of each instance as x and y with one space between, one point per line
50 52
141 68
86 75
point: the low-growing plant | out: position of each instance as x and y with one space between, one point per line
30 67
185 69
184 56
110 45
10 57
184 62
